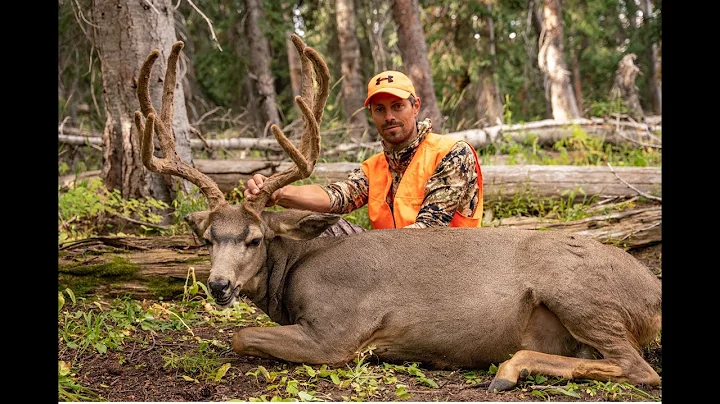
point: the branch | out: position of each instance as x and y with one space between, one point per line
641 193
622 135
208 22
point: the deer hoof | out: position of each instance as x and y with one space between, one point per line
501 385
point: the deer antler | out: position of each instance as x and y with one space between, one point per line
312 106
171 163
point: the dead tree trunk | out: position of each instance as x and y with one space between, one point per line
624 87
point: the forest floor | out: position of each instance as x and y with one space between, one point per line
160 371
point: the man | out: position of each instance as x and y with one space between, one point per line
421 179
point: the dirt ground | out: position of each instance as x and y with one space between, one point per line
139 373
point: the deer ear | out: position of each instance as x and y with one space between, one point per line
198 221
299 224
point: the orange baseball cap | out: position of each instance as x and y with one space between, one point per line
390 82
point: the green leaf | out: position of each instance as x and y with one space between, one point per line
566 392
291 387
401 392
310 371
304 396
222 371
61 301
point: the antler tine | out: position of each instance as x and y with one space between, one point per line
171 163
311 106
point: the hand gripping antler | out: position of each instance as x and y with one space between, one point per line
171 163
312 106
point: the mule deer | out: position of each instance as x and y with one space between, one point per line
540 302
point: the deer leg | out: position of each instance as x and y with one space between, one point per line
290 343
525 363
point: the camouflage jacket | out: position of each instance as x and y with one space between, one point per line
453 186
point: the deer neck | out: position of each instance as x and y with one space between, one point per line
268 289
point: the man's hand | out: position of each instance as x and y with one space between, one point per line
255 184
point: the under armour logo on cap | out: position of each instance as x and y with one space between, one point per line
388 78
390 82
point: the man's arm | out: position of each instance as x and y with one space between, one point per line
339 197
453 187
308 197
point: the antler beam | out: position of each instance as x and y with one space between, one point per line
171 163
311 106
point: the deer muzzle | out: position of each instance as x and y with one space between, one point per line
223 292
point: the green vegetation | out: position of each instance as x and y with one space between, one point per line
87 209
95 326
578 149
88 327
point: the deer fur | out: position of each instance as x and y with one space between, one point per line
536 302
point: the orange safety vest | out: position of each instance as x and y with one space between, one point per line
411 190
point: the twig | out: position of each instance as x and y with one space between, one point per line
647 129
131 220
550 386
205 115
208 22
149 3
622 135
632 233
200 136
641 193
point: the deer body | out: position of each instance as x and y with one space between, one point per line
538 302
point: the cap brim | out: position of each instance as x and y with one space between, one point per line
394 91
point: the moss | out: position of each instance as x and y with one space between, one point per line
166 288
193 260
117 267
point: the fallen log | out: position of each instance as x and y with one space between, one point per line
162 266
498 180
547 132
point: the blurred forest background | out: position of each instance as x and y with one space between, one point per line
475 64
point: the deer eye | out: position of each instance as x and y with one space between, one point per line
207 241
254 242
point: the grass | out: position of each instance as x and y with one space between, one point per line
88 327
95 326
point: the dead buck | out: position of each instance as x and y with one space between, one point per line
540 302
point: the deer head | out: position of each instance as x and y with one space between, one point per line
238 236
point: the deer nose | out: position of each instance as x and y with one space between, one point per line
219 288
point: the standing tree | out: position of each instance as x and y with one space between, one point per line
263 82
653 60
489 104
624 88
294 63
413 49
352 90
125 32
551 59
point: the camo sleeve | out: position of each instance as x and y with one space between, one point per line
350 194
453 187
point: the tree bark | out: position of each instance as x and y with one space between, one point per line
498 181
125 33
653 58
263 81
413 50
489 107
294 63
551 59
624 87
353 90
